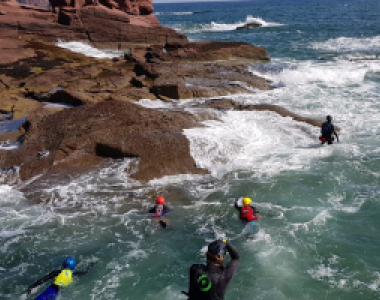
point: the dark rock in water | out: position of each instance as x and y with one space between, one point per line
228 104
249 25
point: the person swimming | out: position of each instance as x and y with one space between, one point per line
60 278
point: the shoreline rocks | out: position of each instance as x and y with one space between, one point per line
94 24
103 122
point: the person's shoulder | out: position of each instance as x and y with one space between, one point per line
197 269
152 209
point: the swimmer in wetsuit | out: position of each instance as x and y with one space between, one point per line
210 281
159 211
328 132
248 214
60 278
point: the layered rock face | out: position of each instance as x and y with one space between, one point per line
127 22
133 7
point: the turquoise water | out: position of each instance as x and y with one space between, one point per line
319 205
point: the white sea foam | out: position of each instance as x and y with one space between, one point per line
349 44
88 50
215 26
258 141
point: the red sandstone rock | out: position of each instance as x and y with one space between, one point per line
113 28
109 129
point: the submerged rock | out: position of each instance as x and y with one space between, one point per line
249 25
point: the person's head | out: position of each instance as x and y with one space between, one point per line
216 252
329 118
247 201
160 200
69 263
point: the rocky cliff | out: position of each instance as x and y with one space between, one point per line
106 24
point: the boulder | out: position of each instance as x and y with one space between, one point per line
206 51
111 129
249 25
194 80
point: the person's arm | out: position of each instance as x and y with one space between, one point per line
89 267
335 133
255 212
337 137
237 205
166 209
234 263
192 280
51 275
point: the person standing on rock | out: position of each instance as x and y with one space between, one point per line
210 281
327 132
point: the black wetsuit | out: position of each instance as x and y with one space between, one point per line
209 282
327 131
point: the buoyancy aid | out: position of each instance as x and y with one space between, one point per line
158 211
326 129
64 278
247 214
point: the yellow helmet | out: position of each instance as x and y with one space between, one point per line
247 201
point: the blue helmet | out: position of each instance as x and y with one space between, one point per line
69 263
328 118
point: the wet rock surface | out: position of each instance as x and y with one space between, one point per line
110 129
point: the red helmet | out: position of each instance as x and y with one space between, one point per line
160 200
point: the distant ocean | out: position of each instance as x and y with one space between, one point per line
319 205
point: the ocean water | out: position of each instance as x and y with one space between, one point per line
319 205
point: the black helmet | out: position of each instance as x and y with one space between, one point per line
217 251
328 118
